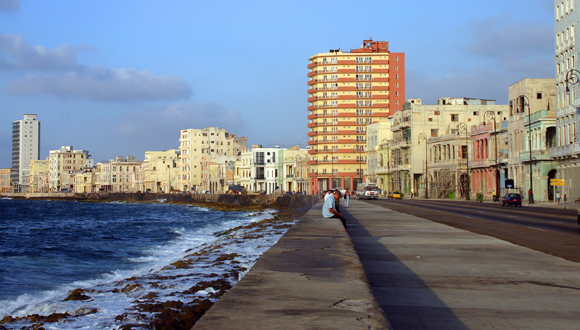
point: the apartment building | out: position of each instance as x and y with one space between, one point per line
348 90
39 176
261 169
64 164
431 144
160 171
566 151
119 175
532 132
195 144
25 147
5 180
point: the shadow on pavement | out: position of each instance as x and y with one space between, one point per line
406 299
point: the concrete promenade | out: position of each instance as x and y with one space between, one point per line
311 279
426 275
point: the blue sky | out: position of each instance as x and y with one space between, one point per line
119 78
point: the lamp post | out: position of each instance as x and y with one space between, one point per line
463 127
572 78
423 136
526 101
488 116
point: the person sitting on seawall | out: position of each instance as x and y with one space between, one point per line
328 210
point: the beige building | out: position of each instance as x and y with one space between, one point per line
195 144
349 89
5 182
532 126
64 164
118 175
160 171
39 176
86 182
295 169
436 134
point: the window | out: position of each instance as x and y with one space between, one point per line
454 117
434 132
539 96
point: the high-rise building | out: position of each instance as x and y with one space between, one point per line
348 90
566 153
25 147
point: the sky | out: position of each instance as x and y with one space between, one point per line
119 78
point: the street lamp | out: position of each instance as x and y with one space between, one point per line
572 78
423 136
526 101
490 114
463 127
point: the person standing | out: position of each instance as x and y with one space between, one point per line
558 197
328 210
337 200
346 197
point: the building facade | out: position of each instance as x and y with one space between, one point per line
431 144
5 180
566 151
348 90
25 147
379 138
195 144
160 171
63 165
532 126
120 175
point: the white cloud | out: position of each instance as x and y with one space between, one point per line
9 6
15 54
104 84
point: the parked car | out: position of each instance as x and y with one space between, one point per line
511 199
394 195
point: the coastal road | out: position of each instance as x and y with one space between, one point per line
550 230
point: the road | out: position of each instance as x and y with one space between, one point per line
550 230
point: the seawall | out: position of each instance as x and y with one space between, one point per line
312 278
294 202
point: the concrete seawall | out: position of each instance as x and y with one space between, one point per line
283 201
311 279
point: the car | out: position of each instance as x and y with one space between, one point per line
512 199
394 195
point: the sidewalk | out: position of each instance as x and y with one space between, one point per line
426 275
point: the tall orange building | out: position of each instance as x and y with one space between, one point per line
348 90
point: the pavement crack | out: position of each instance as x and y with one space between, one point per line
547 284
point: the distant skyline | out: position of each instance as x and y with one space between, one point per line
119 78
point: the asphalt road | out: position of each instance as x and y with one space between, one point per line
550 230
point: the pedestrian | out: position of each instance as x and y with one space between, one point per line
412 193
346 197
558 197
328 210
337 201
565 198
494 196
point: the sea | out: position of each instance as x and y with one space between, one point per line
98 265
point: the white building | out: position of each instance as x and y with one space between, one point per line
25 147
567 150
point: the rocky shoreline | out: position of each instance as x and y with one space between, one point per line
160 303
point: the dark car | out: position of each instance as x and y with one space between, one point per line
511 199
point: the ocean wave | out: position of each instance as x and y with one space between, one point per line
189 267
